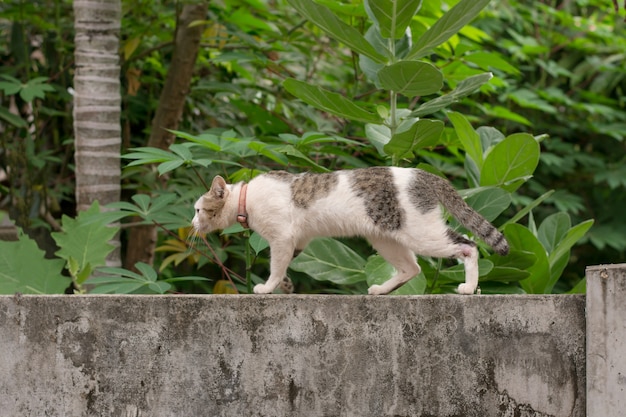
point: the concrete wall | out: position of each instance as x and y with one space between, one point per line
606 341
292 356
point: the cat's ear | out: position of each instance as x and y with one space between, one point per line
218 187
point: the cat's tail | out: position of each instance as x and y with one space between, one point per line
471 219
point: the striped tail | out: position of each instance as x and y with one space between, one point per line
469 218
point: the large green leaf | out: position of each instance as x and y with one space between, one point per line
521 238
328 101
83 241
512 267
336 28
24 269
411 78
422 134
469 138
369 67
392 16
559 257
464 88
447 26
552 230
379 136
327 259
490 202
511 162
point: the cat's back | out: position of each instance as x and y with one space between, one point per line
373 185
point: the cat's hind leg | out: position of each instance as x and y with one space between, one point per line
452 245
402 258
466 251
469 255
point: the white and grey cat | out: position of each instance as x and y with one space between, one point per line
398 210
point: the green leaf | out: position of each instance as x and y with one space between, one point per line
9 117
378 270
34 90
168 166
146 271
530 100
369 67
422 134
86 241
447 26
552 230
336 28
378 135
24 269
392 16
328 101
207 140
559 257
490 202
182 150
123 281
511 162
411 78
468 136
464 88
488 60
257 243
521 238
10 88
327 259
148 155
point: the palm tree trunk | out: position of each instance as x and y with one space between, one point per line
97 104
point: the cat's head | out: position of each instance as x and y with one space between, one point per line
209 209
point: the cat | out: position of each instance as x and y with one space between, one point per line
398 210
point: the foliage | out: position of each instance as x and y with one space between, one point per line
393 76
123 281
565 78
84 243
24 269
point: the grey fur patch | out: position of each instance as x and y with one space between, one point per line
281 175
423 191
380 196
458 239
306 188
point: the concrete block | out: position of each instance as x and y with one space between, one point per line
606 341
297 355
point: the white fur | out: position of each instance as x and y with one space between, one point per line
286 227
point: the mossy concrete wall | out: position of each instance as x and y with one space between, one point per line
292 356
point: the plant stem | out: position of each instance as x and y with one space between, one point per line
432 287
248 263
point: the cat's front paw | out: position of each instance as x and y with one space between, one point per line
466 289
262 289
376 290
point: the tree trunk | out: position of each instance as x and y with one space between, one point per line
97 104
142 240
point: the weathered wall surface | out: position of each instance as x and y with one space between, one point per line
606 341
292 356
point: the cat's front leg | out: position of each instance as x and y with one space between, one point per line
281 255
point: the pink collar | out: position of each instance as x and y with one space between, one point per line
242 214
